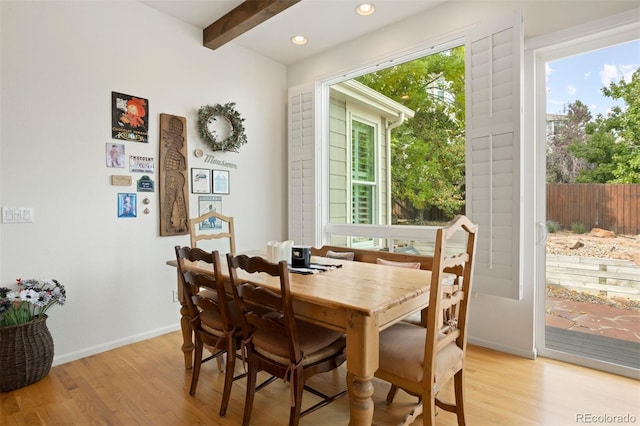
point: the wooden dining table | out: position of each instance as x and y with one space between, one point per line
357 298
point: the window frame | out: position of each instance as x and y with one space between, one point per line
375 183
387 235
494 52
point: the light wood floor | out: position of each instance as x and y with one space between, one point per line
146 384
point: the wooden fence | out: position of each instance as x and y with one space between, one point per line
614 207
405 212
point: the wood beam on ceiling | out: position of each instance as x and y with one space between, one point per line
248 15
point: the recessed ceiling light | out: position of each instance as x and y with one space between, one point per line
299 39
365 9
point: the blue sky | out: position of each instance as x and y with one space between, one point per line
582 77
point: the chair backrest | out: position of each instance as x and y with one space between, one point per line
267 316
212 226
204 294
447 313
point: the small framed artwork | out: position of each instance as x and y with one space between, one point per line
141 164
115 155
200 181
220 181
208 204
127 205
129 118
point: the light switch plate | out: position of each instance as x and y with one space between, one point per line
17 214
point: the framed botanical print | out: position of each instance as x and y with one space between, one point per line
220 181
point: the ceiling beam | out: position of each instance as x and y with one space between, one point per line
248 15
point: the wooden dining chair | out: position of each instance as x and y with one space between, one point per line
278 343
212 226
207 228
420 361
213 317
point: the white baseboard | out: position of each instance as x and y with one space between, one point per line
72 356
521 352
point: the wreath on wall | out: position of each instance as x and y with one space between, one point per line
212 117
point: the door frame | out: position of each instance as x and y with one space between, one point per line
596 35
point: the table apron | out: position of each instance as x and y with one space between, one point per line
398 312
334 319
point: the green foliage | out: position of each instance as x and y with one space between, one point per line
599 152
612 147
578 228
552 226
427 151
626 124
562 164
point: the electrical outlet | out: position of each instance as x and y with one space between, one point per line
174 294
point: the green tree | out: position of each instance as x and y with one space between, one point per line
625 123
428 151
562 164
612 149
598 151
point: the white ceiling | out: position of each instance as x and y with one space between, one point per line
326 23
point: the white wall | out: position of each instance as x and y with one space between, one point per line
499 323
60 61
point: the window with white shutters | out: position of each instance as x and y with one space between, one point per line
493 145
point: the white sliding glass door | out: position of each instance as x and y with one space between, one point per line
589 279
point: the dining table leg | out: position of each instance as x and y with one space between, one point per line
362 363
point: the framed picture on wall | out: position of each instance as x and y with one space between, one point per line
139 164
115 155
129 118
127 205
208 204
200 181
220 181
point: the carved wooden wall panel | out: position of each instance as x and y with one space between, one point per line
173 185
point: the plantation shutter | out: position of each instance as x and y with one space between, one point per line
301 165
494 85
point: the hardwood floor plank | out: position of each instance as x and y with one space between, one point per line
146 384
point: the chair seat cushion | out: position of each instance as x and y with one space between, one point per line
346 255
316 343
402 354
211 320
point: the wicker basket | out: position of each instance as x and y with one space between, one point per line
26 354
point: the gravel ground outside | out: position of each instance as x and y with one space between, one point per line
622 247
